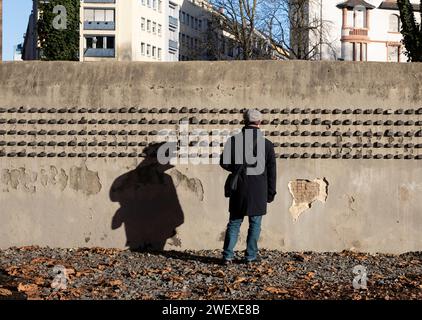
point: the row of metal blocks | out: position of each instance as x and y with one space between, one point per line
291 110
328 144
206 155
274 133
195 121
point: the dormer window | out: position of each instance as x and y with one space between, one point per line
394 23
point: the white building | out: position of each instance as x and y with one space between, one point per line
143 30
130 30
360 30
17 52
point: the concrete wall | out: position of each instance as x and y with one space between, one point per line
364 189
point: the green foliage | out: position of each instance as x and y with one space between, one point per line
411 31
59 44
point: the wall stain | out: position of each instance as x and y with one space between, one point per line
84 180
193 185
79 179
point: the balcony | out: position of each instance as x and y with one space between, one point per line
173 22
173 45
358 32
99 53
99 25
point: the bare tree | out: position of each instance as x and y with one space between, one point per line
262 28
298 26
235 23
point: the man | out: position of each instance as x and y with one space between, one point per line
251 156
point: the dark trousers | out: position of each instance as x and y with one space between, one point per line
232 234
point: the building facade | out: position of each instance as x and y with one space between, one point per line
358 30
17 52
136 30
144 30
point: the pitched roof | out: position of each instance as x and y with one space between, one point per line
392 5
350 4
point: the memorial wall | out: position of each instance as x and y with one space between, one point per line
77 146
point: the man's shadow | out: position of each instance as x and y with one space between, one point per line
149 206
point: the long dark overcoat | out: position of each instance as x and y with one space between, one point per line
254 191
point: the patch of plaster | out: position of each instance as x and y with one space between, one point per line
54 177
304 193
84 180
193 185
19 178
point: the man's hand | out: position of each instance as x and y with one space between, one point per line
270 198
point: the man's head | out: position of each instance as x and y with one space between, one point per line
252 117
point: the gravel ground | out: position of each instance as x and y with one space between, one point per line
98 273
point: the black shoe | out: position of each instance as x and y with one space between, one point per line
254 261
227 262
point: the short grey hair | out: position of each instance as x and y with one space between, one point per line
252 116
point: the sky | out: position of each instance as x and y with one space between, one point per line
15 20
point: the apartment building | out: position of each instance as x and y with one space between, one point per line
119 30
359 30
143 30
129 30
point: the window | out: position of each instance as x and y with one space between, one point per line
172 9
183 17
143 2
394 23
149 25
100 42
159 30
159 54
187 19
173 35
143 24
154 27
154 4
200 25
99 15
149 3
143 48
109 15
148 50
196 24
191 22
110 42
160 4
153 51
89 15
393 53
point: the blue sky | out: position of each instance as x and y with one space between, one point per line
15 20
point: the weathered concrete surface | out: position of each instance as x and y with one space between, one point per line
371 205
366 208
213 84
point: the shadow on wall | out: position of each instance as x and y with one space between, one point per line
149 206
